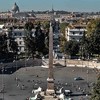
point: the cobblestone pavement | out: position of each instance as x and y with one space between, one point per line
19 85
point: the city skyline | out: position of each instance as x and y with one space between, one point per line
42 5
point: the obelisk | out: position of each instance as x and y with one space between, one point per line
50 79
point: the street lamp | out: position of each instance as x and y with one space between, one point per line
2 90
16 62
87 69
16 68
65 60
25 60
82 57
58 50
26 51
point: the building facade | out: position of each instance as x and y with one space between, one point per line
19 35
75 33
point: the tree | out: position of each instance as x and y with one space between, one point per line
96 90
3 45
93 35
13 46
62 42
62 36
85 47
95 40
46 25
92 26
8 47
35 42
71 48
62 27
29 26
11 43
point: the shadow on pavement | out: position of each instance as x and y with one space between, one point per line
9 70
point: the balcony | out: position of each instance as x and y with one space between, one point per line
75 34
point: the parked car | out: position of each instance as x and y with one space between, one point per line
78 78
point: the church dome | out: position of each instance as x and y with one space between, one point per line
15 8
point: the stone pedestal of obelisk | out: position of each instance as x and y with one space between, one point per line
50 79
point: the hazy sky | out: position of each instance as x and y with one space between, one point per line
68 5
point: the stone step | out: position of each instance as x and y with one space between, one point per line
49 98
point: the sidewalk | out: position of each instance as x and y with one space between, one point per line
74 63
50 98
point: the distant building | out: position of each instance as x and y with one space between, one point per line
17 32
15 8
75 33
43 16
7 14
2 29
15 15
19 35
21 15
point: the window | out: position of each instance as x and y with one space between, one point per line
20 42
80 33
19 48
73 33
15 34
19 34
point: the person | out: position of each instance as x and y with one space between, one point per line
23 87
17 85
62 90
39 97
81 98
37 76
54 96
72 84
44 92
83 91
16 79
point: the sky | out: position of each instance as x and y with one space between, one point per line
38 5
